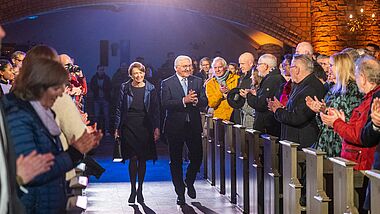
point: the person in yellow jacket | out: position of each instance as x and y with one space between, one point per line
218 87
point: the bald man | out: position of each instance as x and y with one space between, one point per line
305 48
244 115
65 59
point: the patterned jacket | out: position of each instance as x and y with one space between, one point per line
27 133
329 141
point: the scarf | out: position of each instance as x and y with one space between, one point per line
47 118
222 80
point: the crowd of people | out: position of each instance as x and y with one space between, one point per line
330 103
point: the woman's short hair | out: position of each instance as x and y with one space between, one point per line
344 67
370 67
37 76
137 65
41 51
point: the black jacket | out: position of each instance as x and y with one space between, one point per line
107 87
298 123
269 88
175 112
150 101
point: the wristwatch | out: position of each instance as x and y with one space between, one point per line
375 128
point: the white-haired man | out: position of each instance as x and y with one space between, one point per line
269 87
182 97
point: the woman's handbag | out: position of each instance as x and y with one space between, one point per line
117 151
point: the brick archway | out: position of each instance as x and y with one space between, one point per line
288 22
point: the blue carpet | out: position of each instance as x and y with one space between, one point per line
118 172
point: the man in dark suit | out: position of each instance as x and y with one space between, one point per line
269 88
298 123
182 97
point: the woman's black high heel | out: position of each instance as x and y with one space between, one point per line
132 197
140 197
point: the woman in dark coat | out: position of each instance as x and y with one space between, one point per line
137 122
32 127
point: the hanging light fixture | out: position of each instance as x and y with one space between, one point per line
361 19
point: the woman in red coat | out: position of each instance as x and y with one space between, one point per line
367 75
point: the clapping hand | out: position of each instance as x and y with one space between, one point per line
331 116
243 92
191 97
87 141
375 112
315 105
33 164
274 104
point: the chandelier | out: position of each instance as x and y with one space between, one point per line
360 20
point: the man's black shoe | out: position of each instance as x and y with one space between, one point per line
191 191
181 200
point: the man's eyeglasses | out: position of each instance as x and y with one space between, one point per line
186 66
17 59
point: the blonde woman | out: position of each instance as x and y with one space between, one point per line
343 95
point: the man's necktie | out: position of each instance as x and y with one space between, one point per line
184 85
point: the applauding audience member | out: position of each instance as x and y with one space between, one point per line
269 88
32 127
218 87
343 95
368 80
298 123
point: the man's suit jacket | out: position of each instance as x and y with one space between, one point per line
298 123
175 111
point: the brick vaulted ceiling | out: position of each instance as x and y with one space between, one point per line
287 20
323 22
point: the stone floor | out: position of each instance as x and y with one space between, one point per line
159 198
110 193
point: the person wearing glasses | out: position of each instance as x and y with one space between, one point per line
218 87
205 65
182 98
298 123
17 58
268 89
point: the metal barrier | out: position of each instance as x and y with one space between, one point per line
317 202
230 155
242 169
220 181
272 196
343 186
256 172
291 185
210 163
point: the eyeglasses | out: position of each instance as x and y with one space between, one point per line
17 59
258 64
186 66
204 65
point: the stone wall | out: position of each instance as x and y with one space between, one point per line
329 25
